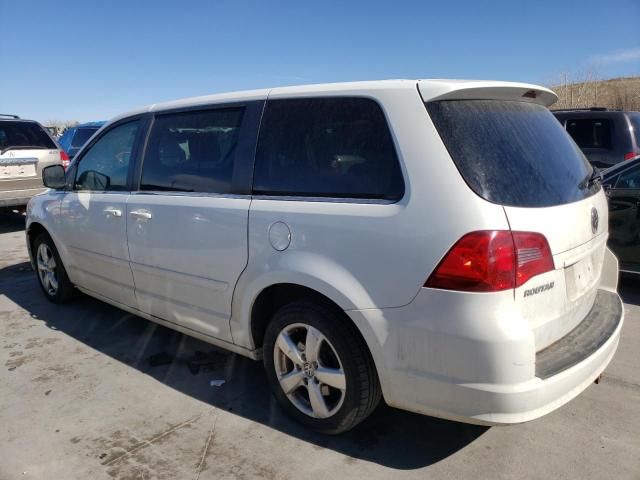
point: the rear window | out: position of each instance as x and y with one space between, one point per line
22 135
512 153
81 136
590 132
327 147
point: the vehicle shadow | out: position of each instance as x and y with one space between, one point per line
390 437
629 288
11 221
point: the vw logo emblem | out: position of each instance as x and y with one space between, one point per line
594 220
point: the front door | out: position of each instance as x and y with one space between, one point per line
93 214
187 224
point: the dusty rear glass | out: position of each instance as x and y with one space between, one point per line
512 153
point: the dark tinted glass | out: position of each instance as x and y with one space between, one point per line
192 152
590 133
512 153
23 134
106 164
326 147
630 178
81 136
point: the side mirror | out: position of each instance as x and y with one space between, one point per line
53 176
92 180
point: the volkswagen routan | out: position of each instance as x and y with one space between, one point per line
437 244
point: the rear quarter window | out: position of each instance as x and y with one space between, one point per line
512 153
327 147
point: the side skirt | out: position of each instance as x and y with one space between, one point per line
252 354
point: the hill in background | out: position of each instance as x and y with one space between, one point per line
616 93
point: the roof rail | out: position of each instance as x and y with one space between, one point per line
8 115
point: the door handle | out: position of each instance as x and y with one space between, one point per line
113 212
142 214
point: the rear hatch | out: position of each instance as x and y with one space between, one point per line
25 149
513 152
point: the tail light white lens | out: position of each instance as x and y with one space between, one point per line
64 159
533 254
492 261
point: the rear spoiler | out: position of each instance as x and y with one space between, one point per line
434 90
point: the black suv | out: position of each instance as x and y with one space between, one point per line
605 136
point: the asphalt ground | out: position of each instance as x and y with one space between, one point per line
89 392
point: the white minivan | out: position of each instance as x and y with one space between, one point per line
439 244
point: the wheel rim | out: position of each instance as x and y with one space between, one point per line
309 370
47 269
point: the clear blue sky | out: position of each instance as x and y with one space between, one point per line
88 60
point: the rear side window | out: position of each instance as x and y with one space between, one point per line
192 151
326 147
591 133
23 135
512 153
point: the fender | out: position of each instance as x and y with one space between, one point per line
302 268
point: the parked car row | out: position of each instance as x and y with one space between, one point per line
439 244
26 147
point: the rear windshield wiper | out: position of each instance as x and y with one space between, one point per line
22 147
594 177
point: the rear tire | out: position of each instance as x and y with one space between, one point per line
50 271
319 358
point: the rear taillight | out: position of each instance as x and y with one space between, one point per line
491 261
64 159
630 155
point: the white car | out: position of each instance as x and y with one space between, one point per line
440 244
25 149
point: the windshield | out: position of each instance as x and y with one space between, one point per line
24 134
81 136
512 153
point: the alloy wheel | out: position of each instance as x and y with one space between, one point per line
309 370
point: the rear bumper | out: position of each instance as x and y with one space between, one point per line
18 198
483 379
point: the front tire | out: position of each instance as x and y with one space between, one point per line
319 368
51 273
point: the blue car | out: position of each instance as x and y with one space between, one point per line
75 137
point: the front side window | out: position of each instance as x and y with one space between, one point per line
192 151
327 147
590 133
105 166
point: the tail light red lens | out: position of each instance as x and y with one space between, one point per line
630 155
64 159
491 261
